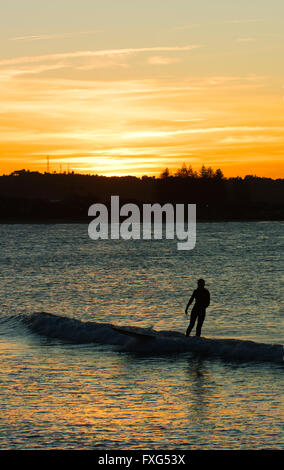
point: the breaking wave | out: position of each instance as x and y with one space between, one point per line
148 341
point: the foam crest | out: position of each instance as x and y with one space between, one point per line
148 341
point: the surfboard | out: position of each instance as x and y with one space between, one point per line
134 334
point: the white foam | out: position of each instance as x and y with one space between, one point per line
149 341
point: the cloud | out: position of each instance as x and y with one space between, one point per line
160 60
163 134
86 60
44 37
95 53
261 139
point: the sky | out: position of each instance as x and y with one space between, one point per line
130 87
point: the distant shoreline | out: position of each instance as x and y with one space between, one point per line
31 198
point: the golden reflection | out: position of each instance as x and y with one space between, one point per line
199 386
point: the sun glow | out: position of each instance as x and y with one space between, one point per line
141 106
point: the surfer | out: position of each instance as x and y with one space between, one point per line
202 300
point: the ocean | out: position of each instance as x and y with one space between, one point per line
93 346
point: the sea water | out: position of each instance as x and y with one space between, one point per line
71 381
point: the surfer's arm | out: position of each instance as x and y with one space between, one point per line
190 302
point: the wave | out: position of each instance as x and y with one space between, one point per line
148 341
11 326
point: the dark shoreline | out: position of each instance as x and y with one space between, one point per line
34 198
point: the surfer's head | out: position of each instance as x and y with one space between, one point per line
201 283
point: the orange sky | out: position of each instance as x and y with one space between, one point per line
134 88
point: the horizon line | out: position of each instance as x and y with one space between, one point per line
195 175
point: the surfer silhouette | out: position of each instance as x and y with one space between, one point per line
202 301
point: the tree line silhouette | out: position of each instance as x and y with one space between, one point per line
27 196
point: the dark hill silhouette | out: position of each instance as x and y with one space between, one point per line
27 196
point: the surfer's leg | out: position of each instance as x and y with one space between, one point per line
193 317
200 320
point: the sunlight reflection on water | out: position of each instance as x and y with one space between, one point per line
56 395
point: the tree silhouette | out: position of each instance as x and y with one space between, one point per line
165 173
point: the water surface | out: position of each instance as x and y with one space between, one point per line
76 395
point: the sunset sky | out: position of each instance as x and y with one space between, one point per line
119 87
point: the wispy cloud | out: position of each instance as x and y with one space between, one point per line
88 60
96 53
205 130
44 37
161 60
245 140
